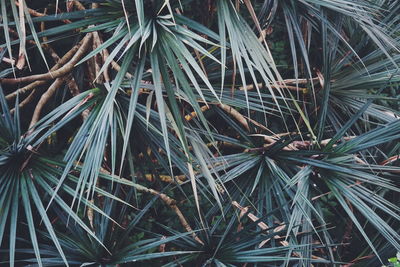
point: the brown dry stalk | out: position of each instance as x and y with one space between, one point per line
182 177
269 139
117 67
166 199
264 226
22 49
45 45
27 100
105 55
78 5
9 61
236 114
25 89
281 85
97 60
390 160
285 84
31 42
358 259
233 112
38 14
100 58
193 114
166 178
90 70
90 214
172 204
31 11
35 84
330 192
44 99
73 87
59 72
244 122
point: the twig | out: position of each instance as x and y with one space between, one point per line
194 114
358 259
172 204
78 5
27 100
296 145
105 55
38 14
390 160
73 87
21 54
31 42
65 69
117 67
166 178
264 226
244 121
236 114
167 200
100 59
25 89
8 60
35 84
45 45
44 99
31 11
294 88
96 60
284 84
330 192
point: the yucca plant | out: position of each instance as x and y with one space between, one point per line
212 132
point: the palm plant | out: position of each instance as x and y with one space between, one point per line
27 179
289 107
119 241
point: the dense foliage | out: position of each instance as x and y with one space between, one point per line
204 133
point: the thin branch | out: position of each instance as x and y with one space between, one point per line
264 226
284 84
166 178
330 192
117 67
65 69
36 84
236 114
38 14
26 101
390 160
45 45
31 42
8 60
25 89
172 204
73 87
44 99
194 114
78 5
167 200
22 49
